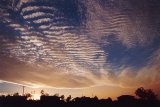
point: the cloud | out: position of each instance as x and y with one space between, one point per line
45 76
18 72
51 48
1 81
131 22
147 76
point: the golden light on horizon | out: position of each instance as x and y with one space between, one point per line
36 96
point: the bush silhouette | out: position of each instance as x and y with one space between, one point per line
147 98
145 94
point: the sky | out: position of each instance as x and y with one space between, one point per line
80 47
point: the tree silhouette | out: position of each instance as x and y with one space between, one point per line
42 92
151 95
16 94
57 95
147 98
145 94
95 97
69 98
28 95
62 97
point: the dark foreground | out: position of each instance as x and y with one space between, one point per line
55 101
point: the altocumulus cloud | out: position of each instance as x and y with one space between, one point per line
57 43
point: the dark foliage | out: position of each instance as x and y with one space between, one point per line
60 101
145 94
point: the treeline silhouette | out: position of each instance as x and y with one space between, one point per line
145 98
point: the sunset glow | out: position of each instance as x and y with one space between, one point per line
36 96
79 47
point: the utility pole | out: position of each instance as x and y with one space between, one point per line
23 89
